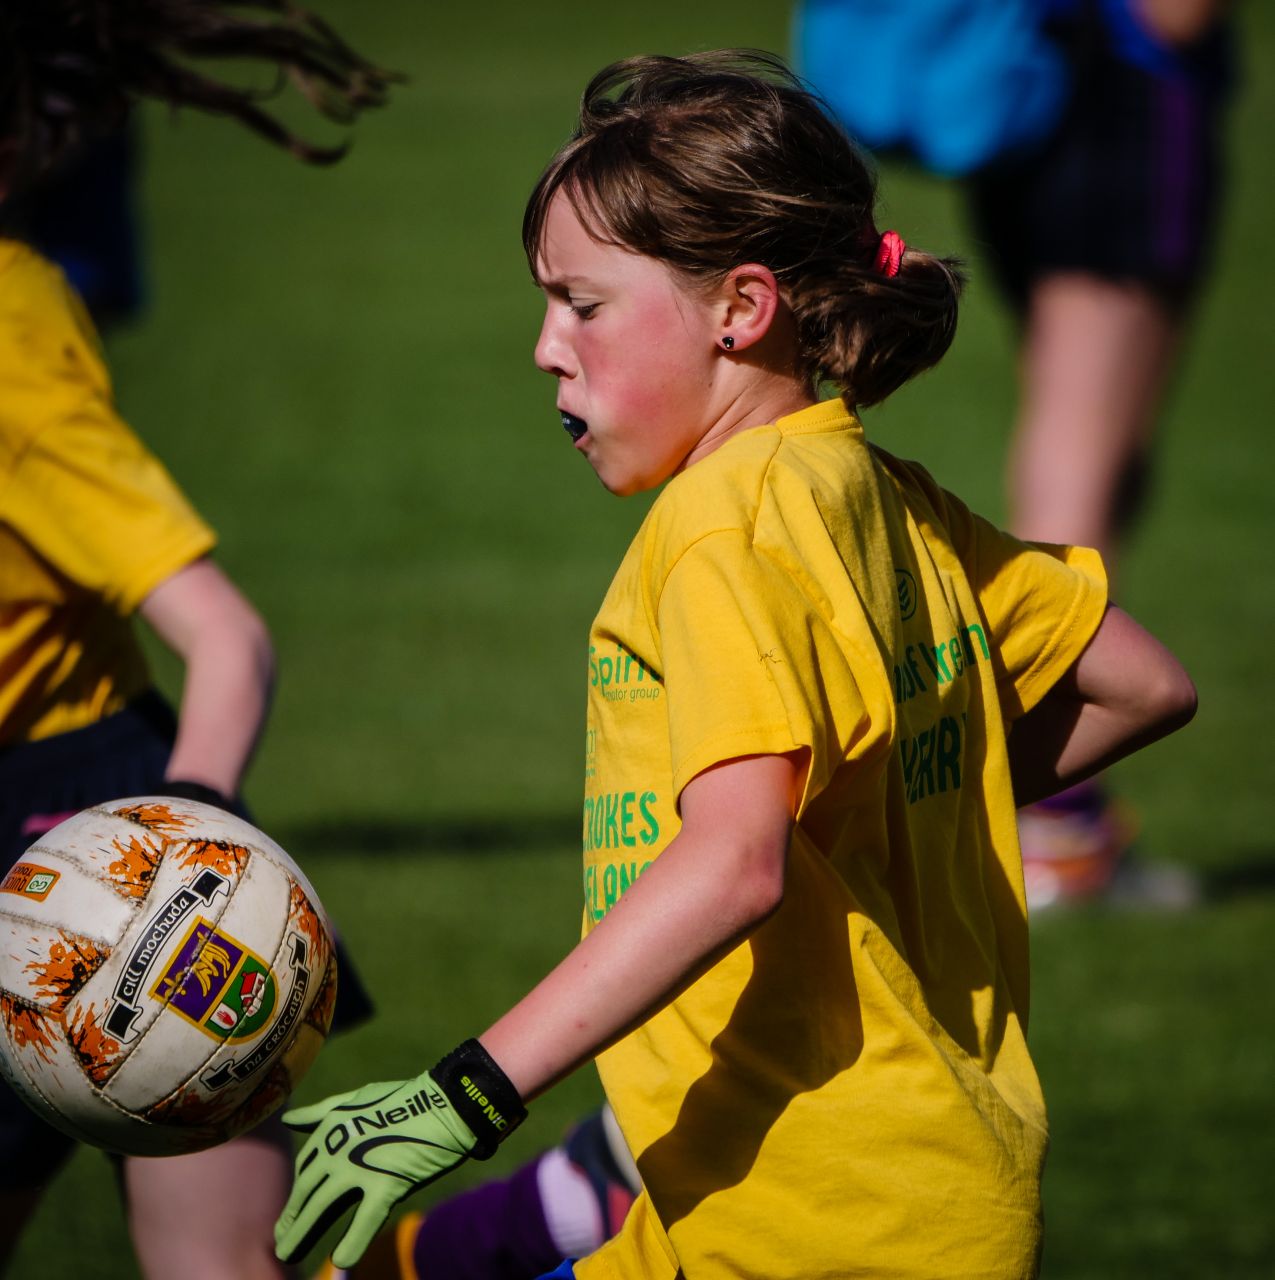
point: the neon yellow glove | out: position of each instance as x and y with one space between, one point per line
370 1148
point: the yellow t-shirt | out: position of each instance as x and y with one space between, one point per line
90 522
849 1092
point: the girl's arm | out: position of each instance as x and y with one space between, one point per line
717 881
1125 691
719 878
201 615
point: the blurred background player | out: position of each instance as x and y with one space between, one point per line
93 530
1089 130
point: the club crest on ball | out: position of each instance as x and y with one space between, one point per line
217 984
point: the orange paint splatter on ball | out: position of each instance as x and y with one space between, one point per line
155 816
190 1109
96 1050
71 962
135 868
229 859
320 1014
267 1098
28 1028
302 915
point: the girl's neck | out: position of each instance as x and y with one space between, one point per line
757 401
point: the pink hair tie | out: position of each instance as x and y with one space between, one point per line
889 255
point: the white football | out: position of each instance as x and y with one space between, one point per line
167 975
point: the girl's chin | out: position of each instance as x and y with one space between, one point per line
622 483
611 481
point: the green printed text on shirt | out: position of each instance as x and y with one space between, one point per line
606 883
932 759
621 675
941 663
619 820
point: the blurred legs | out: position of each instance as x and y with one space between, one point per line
1096 361
210 1216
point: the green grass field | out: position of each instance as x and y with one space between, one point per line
337 366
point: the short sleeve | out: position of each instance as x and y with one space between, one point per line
1041 603
751 667
99 507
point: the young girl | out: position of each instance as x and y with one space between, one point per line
817 686
93 531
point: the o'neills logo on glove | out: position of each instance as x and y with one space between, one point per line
417 1105
473 1092
482 1094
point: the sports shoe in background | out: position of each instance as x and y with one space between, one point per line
1077 847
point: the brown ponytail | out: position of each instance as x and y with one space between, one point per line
868 334
717 159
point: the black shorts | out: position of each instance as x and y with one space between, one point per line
43 782
1127 188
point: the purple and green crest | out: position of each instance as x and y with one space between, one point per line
217 984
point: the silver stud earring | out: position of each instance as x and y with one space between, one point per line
728 342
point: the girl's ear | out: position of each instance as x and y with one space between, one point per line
748 301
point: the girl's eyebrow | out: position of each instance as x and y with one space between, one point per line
562 286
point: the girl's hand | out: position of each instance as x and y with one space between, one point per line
369 1148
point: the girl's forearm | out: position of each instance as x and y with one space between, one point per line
1062 742
225 699
666 930
715 883
1125 691
229 673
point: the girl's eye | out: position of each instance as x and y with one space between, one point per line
583 310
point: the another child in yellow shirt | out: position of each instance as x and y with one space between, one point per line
817 688
94 533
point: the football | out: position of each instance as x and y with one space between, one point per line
167 974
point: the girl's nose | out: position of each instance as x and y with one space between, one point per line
552 353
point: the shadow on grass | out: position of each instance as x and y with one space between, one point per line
434 835
1251 875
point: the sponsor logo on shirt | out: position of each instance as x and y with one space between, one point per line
606 883
932 758
620 819
941 663
621 676
906 585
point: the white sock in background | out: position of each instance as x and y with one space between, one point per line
570 1206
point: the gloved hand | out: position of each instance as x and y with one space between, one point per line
370 1148
184 789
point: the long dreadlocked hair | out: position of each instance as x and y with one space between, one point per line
72 68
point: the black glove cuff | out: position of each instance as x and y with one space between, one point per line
185 790
482 1094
